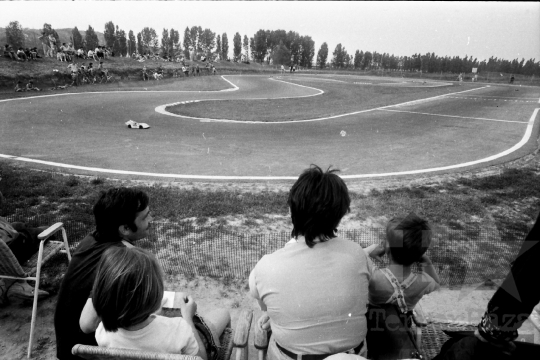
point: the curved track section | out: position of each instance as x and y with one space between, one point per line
85 133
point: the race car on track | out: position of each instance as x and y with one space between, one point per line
135 125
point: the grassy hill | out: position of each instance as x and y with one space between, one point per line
32 35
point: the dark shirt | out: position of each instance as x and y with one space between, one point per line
74 292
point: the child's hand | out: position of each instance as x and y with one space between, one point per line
188 308
378 252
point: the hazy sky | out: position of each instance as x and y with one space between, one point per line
506 30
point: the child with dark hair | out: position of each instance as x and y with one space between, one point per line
126 295
407 240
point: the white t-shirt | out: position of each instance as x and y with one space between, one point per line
162 335
317 297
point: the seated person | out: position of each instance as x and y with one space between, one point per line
122 217
80 53
30 86
7 53
407 240
34 53
24 243
19 87
121 322
21 54
315 290
61 56
92 55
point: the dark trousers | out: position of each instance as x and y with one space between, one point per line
27 243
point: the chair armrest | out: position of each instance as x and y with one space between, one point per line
50 231
241 332
419 317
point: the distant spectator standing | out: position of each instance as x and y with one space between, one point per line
145 74
185 71
198 71
45 44
512 79
74 73
52 44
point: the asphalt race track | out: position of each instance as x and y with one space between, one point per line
466 127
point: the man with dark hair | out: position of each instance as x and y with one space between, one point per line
122 216
315 289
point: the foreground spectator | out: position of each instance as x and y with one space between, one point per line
23 242
121 322
122 217
315 289
407 240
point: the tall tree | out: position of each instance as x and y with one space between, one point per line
218 46
340 55
174 42
187 42
224 46
281 55
194 35
165 50
140 46
14 35
77 38
116 45
208 41
131 45
109 34
121 41
322 56
149 39
246 47
307 51
237 46
357 59
259 46
90 38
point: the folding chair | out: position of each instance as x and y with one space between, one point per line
228 343
31 270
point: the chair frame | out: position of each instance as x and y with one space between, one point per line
20 274
239 342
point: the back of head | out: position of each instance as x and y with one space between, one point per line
408 238
128 287
117 207
318 201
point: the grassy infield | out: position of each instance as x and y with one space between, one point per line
505 201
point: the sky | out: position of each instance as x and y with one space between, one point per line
507 30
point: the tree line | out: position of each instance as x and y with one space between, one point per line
427 63
278 47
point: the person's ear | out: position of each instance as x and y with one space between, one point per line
123 230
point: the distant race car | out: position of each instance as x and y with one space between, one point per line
135 125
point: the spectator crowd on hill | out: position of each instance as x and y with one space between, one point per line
82 73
